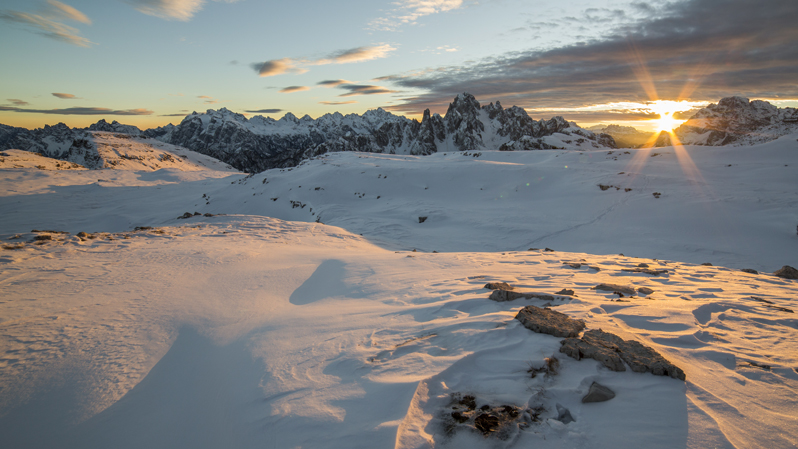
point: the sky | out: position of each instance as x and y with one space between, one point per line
151 62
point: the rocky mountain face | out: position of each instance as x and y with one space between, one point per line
260 143
58 142
735 121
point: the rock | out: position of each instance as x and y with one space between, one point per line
787 272
547 321
642 265
749 270
645 291
565 291
498 286
549 250
564 415
422 219
185 215
611 351
615 288
598 393
486 423
706 264
574 265
507 295
645 270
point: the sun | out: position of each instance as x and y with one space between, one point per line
666 122
666 109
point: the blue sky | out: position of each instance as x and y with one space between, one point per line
150 62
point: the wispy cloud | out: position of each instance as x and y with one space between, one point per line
290 65
336 103
265 111
49 22
363 89
290 89
332 83
64 96
17 102
80 111
178 114
182 10
410 11
701 50
208 99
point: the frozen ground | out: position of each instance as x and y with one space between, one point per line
248 331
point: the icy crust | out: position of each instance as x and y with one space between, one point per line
735 121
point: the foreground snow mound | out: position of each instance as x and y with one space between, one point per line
248 332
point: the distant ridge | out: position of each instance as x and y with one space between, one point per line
261 143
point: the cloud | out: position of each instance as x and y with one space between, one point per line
289 65
208 99
182 10
411 11
266 111
49 22
358 54
65 96
363 89
179 114
697 49
80 111
332 83
336 103
290 89
17 102
276 67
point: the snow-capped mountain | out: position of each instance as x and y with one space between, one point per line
262 143
735 121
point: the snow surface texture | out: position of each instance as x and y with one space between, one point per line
248 331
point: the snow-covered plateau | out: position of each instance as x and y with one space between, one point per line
166 300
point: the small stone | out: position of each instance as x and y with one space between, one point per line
645 291
459 417
422 219
498 286
598 393
706 264
574 265
787 272
749 270
548 250
565 291
564 415
642 265
615 288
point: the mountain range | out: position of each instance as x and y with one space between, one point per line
261 143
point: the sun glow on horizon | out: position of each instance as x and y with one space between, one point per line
666 109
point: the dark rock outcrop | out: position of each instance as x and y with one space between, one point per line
598 393
498 286
547 321
612 351
787 272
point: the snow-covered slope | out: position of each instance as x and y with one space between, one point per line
736 121
244 330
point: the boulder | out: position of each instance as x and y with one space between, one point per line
547 321
598 393
787 272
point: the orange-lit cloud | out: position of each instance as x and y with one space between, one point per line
182 10
332 83
289 65
17 102
336 103
49 22
290 89
64 96
364 89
